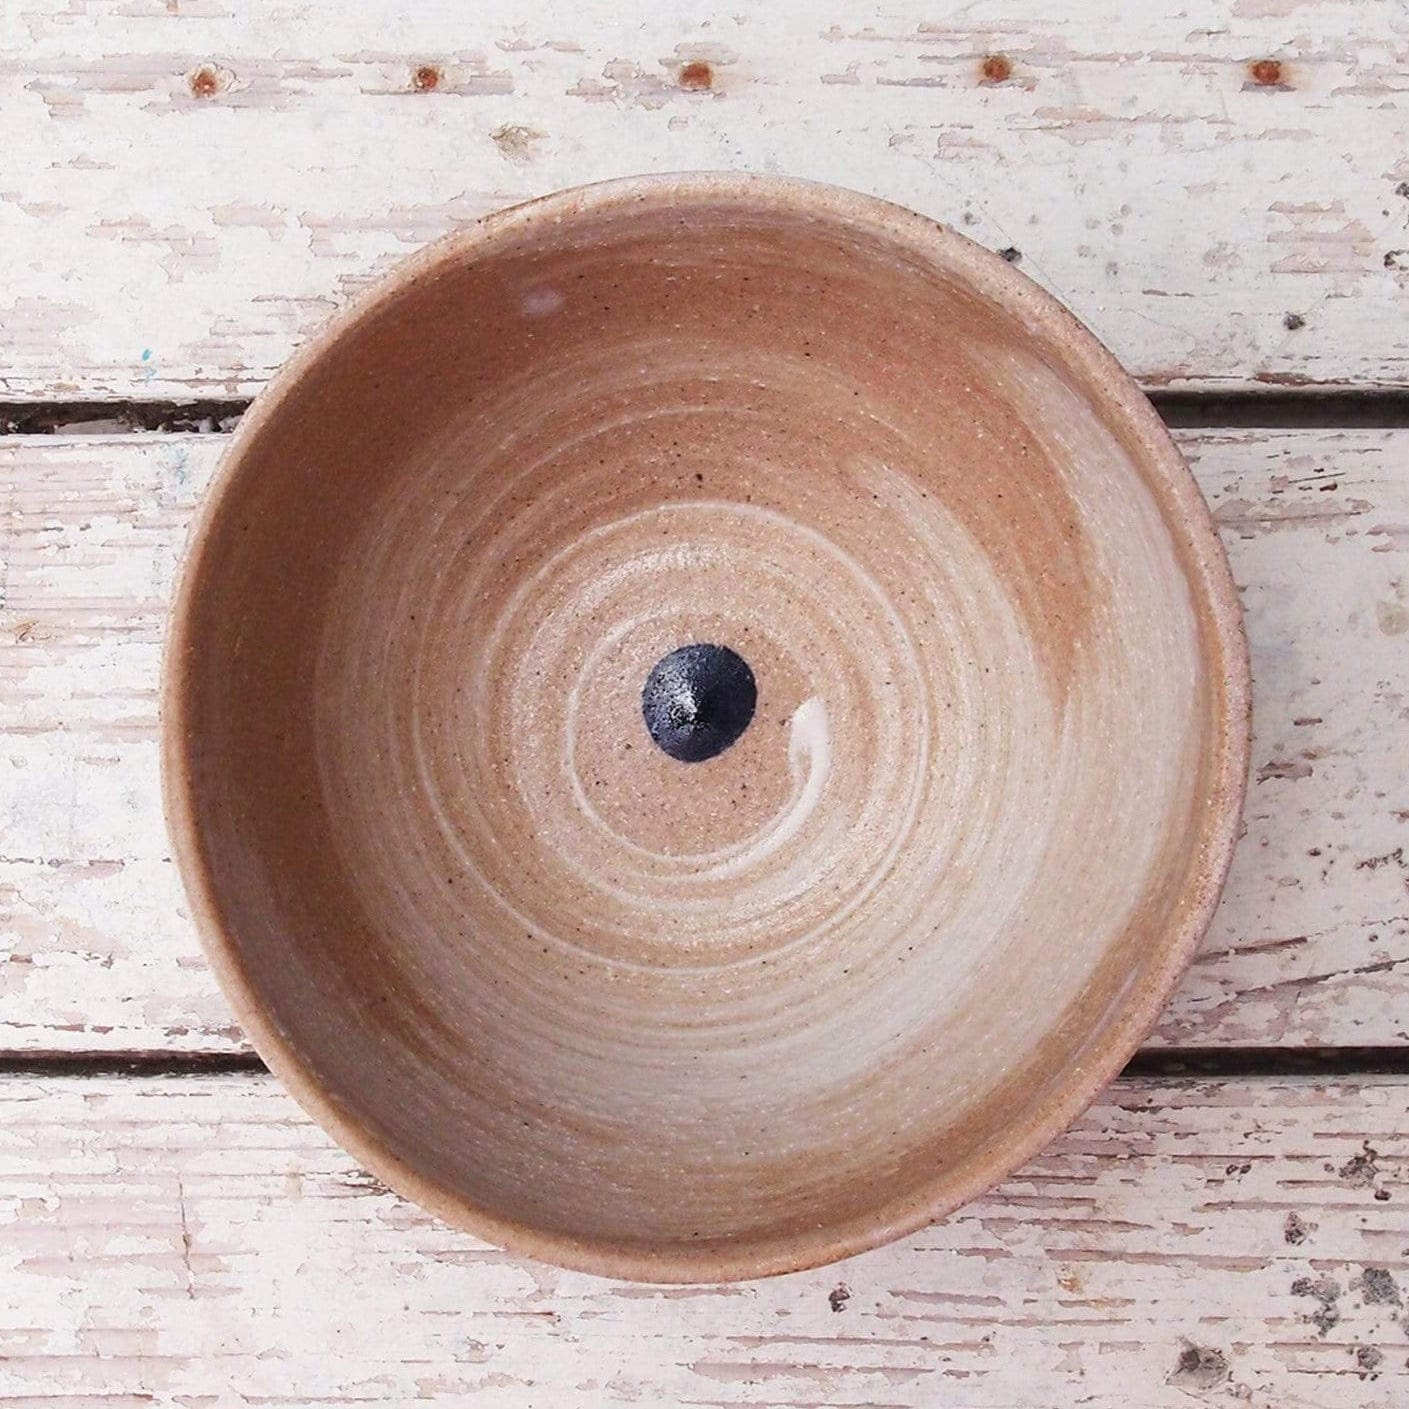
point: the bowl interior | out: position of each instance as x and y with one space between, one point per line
750 1010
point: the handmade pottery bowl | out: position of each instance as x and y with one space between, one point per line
694 964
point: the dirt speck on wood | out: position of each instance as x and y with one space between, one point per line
1378 1287
1326 1294
1360 1171
1199 1367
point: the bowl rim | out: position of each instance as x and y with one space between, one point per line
1216 600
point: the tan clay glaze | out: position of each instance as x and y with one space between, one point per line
694 1020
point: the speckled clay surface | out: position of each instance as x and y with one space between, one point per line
695 1020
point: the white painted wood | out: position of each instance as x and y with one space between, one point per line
1311 945
197 1242
190 187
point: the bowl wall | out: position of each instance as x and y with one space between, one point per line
721 1018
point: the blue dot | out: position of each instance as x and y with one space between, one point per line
698 700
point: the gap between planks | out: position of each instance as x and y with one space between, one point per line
1180 1064
1365 409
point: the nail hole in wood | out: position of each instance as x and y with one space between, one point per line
204 82
696 76
996 68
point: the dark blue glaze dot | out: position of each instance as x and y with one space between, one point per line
698 700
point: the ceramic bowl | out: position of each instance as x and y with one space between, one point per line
702 722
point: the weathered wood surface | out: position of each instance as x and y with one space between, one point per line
1221 190
196 1242
1311 945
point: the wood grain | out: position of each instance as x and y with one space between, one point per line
1310 947
190 188
198 1242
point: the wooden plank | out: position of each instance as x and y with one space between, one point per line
1311 945
197 1242
190 188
